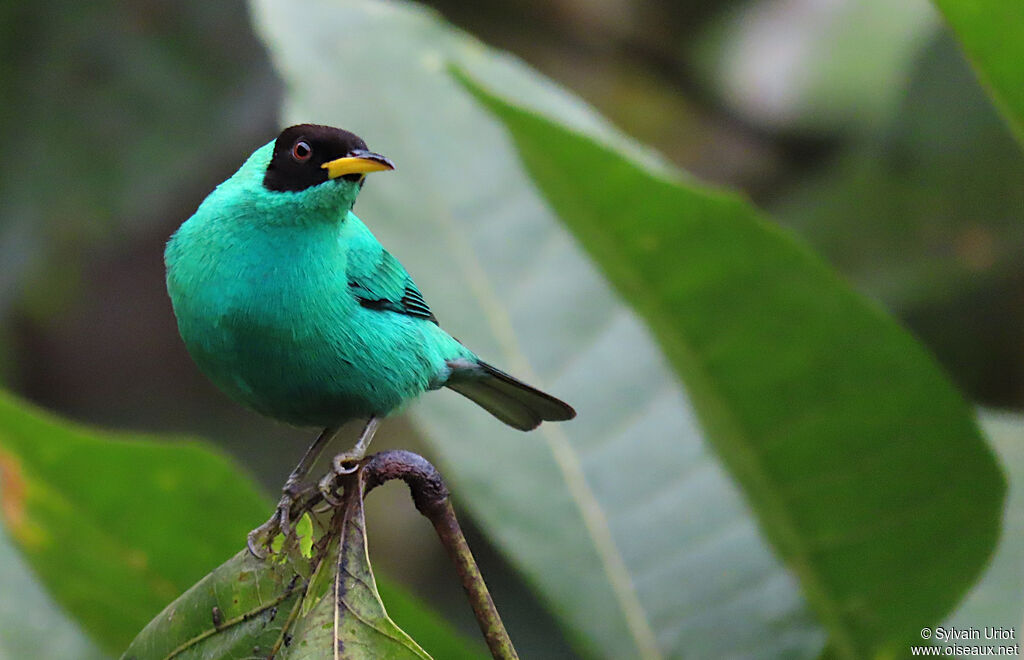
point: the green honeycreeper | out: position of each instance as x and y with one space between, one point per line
290 305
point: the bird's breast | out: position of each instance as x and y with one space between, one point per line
274 324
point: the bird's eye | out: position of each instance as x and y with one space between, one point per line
301 151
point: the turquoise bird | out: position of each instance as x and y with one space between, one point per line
290 305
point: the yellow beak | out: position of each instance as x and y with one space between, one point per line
357 162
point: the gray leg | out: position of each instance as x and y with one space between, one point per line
280 521
347 462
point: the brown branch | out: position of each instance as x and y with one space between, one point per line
430 496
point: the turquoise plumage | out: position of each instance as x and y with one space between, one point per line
287 301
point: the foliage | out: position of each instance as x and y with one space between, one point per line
307 600
92 121
889 212
117 525
836 427
992 34
97 516
763 335
764 463
998 597
33 625
841 70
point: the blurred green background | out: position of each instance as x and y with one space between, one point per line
857 123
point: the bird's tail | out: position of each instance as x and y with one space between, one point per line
510 400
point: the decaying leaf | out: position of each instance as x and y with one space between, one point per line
305 601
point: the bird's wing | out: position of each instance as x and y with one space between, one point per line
379 281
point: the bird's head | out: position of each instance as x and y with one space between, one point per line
327 165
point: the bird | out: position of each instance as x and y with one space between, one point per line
286 300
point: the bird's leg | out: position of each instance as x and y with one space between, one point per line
348 462
281 520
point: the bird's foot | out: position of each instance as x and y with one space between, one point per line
260 539
341 465
347 463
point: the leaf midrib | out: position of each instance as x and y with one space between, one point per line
564 454
730 430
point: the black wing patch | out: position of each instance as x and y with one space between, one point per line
385 286
415 305
411 304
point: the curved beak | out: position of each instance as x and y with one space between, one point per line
357 162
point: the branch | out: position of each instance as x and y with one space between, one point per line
430 495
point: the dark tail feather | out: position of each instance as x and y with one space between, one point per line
510 400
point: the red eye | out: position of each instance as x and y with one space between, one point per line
302 151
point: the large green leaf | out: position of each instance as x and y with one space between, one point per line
992 34
839 426
117 525
845 437
929 218
503 276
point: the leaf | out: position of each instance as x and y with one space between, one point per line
31 624
430 631
624 520
237 611
483 247
117 525
841 429
998 598
992 34
351 615
288 606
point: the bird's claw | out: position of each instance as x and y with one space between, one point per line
341 465
326 487
259 539
345 464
